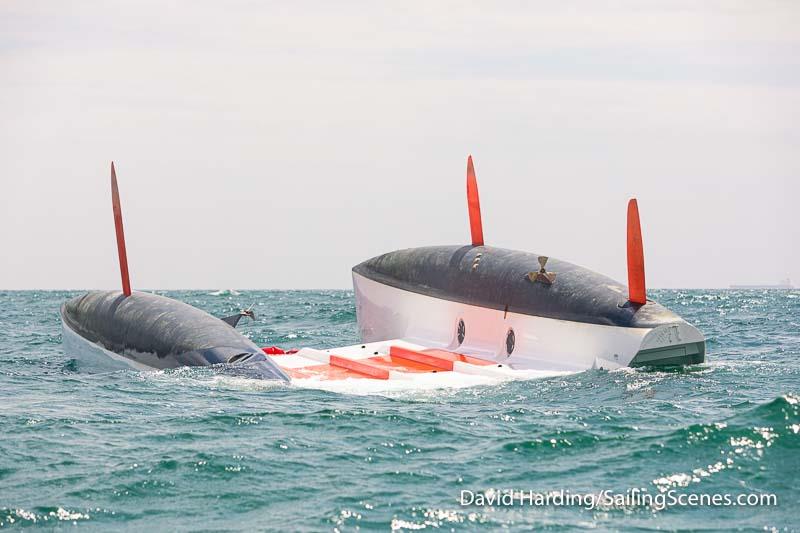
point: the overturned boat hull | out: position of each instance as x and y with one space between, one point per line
147 331
481 301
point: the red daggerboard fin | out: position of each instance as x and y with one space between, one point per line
474 205
637 293
123 256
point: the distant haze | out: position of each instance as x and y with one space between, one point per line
276 145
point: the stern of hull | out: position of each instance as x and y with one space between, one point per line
671 345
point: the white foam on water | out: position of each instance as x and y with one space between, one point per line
416 382
211 378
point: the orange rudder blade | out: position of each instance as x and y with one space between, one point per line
637 292
123 256
474 205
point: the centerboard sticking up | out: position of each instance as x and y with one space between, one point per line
637 293
474 205
121 250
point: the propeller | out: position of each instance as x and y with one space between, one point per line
233 320
542 276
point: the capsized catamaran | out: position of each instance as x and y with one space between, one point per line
469 310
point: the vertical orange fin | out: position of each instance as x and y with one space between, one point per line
123 256
637 293
474 205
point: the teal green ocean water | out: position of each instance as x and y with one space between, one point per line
192 450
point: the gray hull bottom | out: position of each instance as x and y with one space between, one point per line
96 359
148 331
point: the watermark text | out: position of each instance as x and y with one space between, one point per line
608 500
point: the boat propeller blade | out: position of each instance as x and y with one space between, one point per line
233 320
123 256
542 276
474 205
636 287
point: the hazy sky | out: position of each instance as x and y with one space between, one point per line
276 145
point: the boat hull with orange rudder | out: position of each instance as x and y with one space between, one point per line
524 309
482 300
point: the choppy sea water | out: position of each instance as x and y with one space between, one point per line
193 450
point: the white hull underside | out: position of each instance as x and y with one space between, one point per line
386 312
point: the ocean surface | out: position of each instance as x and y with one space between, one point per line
192 450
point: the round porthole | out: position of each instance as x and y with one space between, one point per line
461 332
510 340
